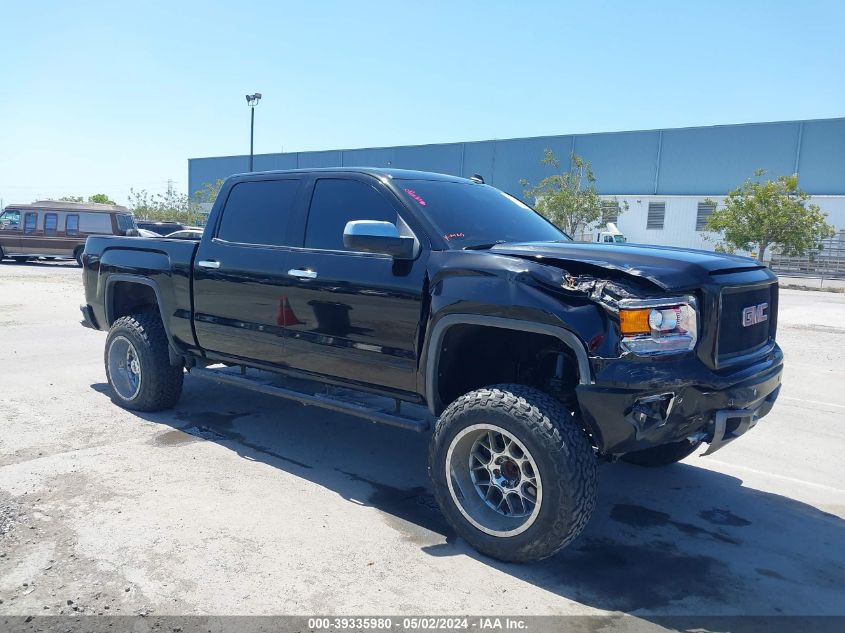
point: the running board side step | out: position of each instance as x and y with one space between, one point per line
315 399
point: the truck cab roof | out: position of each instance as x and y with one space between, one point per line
378 172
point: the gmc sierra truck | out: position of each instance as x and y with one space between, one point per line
430 301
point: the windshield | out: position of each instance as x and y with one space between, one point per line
470 215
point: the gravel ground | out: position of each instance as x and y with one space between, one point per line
238 503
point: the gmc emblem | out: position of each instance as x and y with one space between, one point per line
752 315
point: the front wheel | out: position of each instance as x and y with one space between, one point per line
513 472
138 364
77 255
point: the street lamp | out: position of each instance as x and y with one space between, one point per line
252 101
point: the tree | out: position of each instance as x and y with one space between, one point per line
207 194
568 197
763 213
170 206
100 198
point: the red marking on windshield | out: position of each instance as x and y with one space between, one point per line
452 236
415 196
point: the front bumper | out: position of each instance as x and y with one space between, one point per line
715 409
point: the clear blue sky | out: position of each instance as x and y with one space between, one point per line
104 96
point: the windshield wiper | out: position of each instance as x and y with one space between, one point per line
483 247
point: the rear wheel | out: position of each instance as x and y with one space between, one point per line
513 472
138 364
662 455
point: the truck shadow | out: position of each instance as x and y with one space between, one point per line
661 541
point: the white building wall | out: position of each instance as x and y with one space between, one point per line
680 219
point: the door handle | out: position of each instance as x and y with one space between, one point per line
301 273
208 263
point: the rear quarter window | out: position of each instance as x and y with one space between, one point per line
95 223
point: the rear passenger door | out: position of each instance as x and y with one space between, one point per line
240 273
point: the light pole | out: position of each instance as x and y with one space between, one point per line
252 101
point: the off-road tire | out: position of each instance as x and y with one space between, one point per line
161 382
564 456
662 455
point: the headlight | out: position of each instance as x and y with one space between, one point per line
655 326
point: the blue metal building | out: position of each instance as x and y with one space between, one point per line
678 167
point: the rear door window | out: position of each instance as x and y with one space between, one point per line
29 222
51 223
257 212
72 225
338 201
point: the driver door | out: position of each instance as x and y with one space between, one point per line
352 315
10 231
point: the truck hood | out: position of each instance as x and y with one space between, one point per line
667 267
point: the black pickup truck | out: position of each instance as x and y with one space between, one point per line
430 301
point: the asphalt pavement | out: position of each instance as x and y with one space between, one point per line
240 503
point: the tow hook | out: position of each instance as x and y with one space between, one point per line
727 425
651 412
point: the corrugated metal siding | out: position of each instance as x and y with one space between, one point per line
692 161
679 224
822 159
715 160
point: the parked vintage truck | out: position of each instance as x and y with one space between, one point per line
447 303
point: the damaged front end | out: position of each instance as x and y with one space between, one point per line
649 386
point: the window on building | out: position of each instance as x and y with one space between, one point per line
656 215
705 210
257 212
609 211
336 202
72 225
29 222
51 223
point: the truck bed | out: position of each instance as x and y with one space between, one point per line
164 266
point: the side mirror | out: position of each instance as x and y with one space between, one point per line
371 236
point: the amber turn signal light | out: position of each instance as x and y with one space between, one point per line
634 321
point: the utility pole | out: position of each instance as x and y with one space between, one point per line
252 101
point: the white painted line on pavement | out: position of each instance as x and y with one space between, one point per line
819 402
776 476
